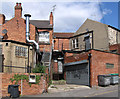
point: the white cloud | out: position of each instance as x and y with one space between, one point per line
68 16
106 11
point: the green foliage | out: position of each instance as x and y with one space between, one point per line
39 69
18 77
38 77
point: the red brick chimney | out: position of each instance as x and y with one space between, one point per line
18 10
2 19
51 18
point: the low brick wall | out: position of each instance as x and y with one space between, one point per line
34 89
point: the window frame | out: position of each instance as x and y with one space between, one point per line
44 35
75 43
21 51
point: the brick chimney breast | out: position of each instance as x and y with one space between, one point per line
18 10
51 18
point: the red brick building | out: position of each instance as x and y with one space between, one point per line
85 66
73 60
19 53
61 42
63 52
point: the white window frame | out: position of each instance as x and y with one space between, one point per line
45 36
75 43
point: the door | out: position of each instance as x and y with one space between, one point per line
87 43
77 74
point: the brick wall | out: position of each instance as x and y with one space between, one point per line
55 67
17 30
75 57
26 89
61 44
16 27
98 64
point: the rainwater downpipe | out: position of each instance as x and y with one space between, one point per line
89 71
28 34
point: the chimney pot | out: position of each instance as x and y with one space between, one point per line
18 10
17 4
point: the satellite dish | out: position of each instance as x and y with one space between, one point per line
4 31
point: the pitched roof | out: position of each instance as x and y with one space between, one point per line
41 24
62 34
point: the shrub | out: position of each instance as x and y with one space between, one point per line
39 69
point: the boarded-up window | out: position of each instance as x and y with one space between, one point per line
109 65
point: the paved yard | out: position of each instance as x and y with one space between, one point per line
81 91
65 88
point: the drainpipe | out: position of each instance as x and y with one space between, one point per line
28 34
89 57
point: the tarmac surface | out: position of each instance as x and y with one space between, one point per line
79 91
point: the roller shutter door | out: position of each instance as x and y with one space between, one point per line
77 74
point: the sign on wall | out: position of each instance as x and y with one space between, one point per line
44 37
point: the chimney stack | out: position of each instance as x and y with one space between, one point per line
18 10
2 19
51 18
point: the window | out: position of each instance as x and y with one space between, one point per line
60 69
108 65
75 43
20 51
44 37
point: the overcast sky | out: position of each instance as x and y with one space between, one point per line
68 16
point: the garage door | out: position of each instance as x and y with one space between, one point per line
77 74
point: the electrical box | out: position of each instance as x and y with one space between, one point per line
32 78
